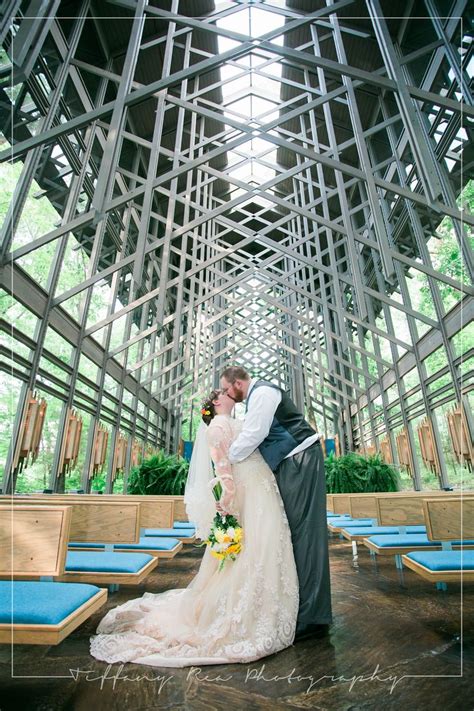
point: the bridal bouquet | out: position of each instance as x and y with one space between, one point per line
225 536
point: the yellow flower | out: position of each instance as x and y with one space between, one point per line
238 535
216 554
220 535
234 548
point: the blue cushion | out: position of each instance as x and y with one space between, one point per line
153 543
379 530
37 603
169 532
91 562
444 560
184 524
352 522
413 539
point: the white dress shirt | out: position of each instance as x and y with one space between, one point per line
257 423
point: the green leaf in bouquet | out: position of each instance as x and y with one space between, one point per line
217 491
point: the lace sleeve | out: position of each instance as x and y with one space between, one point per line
219 437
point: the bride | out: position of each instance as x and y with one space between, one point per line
245 611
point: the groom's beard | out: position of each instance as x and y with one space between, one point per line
238 395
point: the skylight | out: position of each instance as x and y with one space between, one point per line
251 98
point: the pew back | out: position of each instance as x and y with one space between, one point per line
403 510
33 539
91 520
365 506
449 519
155 511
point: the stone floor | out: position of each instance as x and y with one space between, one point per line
391 646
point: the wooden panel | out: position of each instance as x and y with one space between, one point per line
155 511
330 502
428 449
341 504
33 539
449 519
95 520
400 511
460 437
156 514
180 512
386 450
405 510
106 522
363 507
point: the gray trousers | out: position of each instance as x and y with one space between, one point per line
302 485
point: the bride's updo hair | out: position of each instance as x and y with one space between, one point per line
208 411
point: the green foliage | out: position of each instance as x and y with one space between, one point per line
160 474
446 258
353 473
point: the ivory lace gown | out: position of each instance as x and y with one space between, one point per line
240 614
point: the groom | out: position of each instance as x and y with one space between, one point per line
292 450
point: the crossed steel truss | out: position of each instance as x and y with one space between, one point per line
278 237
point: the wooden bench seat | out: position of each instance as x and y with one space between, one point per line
185 535
446 521
33 542
364 504
442 566
108 522
336 525
402 512
360 533
158 547
400 543
107 567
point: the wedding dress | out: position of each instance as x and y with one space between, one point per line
244 612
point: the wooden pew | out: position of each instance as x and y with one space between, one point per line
172 508
367 504
157 512
33 543
446 521
402 511
105 521
176 512
364 505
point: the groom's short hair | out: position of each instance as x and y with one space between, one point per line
235 372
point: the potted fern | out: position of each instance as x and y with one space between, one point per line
353 473
163 474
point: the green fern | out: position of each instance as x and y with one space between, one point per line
353 474
162 474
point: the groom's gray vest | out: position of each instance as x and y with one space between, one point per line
288 430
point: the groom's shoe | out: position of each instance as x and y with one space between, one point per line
312 632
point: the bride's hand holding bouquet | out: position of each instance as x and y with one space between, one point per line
225 537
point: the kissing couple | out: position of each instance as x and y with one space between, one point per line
277 590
